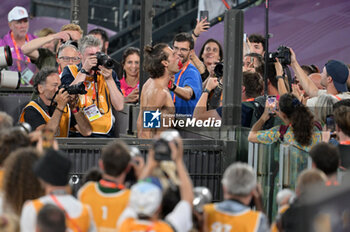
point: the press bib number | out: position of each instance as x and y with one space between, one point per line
92 112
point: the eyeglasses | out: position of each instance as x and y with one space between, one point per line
181 49
67 58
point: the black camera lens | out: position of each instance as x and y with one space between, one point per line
104 60
75 89
219 69
162 150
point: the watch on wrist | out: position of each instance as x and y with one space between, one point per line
173 88
279 77
84 71
206 91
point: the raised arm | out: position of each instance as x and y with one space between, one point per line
30 49
307 84
117 98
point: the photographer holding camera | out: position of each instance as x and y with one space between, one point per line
102 86
51 108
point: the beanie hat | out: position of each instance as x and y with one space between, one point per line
53 168
339 73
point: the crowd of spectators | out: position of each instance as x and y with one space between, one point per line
77 87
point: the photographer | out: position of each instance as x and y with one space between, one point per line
102 86
51 108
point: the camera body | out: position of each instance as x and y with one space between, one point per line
219 70
75 89
161 146
283 54
104 60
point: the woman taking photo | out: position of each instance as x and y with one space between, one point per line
299 129
211 53
130 82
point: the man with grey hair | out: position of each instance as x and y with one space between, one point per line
234 214
102 86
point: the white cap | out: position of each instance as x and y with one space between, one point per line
145 198
17 13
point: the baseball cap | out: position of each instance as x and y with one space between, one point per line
17 13
145 198
339 73
53 168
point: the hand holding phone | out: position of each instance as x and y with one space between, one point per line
204 14
272 101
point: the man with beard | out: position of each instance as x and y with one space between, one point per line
186 89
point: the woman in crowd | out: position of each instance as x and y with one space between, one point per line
130 81
20 183
211 53
299 129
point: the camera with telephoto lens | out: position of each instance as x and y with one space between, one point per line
161 146
202 196
75 89
283 54
104 60
8 79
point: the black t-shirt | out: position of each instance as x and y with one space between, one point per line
35 119
46 59
344 151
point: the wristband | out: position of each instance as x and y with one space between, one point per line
84 71
195 34
173 88
206 91
280 77
75 110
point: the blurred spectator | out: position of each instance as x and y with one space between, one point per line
256 44
67 54
9 223
57 117
20 183
316 78
310 69
240 187
51 219
43 57
333 78
342 121
101 84
307 179
161 63
6 121
53 171
109 193
325 157
146 197
324 107
298 129
93 174
201 26
186 88
253 62
103 37
18 36
129 84
210 53
9 142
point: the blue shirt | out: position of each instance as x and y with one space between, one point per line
192 78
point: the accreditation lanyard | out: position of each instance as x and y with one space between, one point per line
250 100
347 142
54 198
337 97
111 184
178 79
17 51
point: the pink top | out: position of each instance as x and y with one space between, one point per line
126 89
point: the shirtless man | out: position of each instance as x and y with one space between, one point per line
161 63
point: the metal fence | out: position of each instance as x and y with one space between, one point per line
206 160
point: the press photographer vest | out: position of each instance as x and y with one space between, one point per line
64 121
132 224
104 124
244 221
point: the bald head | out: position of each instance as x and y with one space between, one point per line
316 79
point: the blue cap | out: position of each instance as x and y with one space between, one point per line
339 73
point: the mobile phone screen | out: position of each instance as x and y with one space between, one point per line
203 14
272 100
330 123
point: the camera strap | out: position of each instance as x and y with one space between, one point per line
289 76
95 95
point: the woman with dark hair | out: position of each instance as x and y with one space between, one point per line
20 183
299 129
131 72
211 53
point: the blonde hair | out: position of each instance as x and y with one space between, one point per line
72 27
45 32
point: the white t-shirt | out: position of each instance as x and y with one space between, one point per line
311 103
